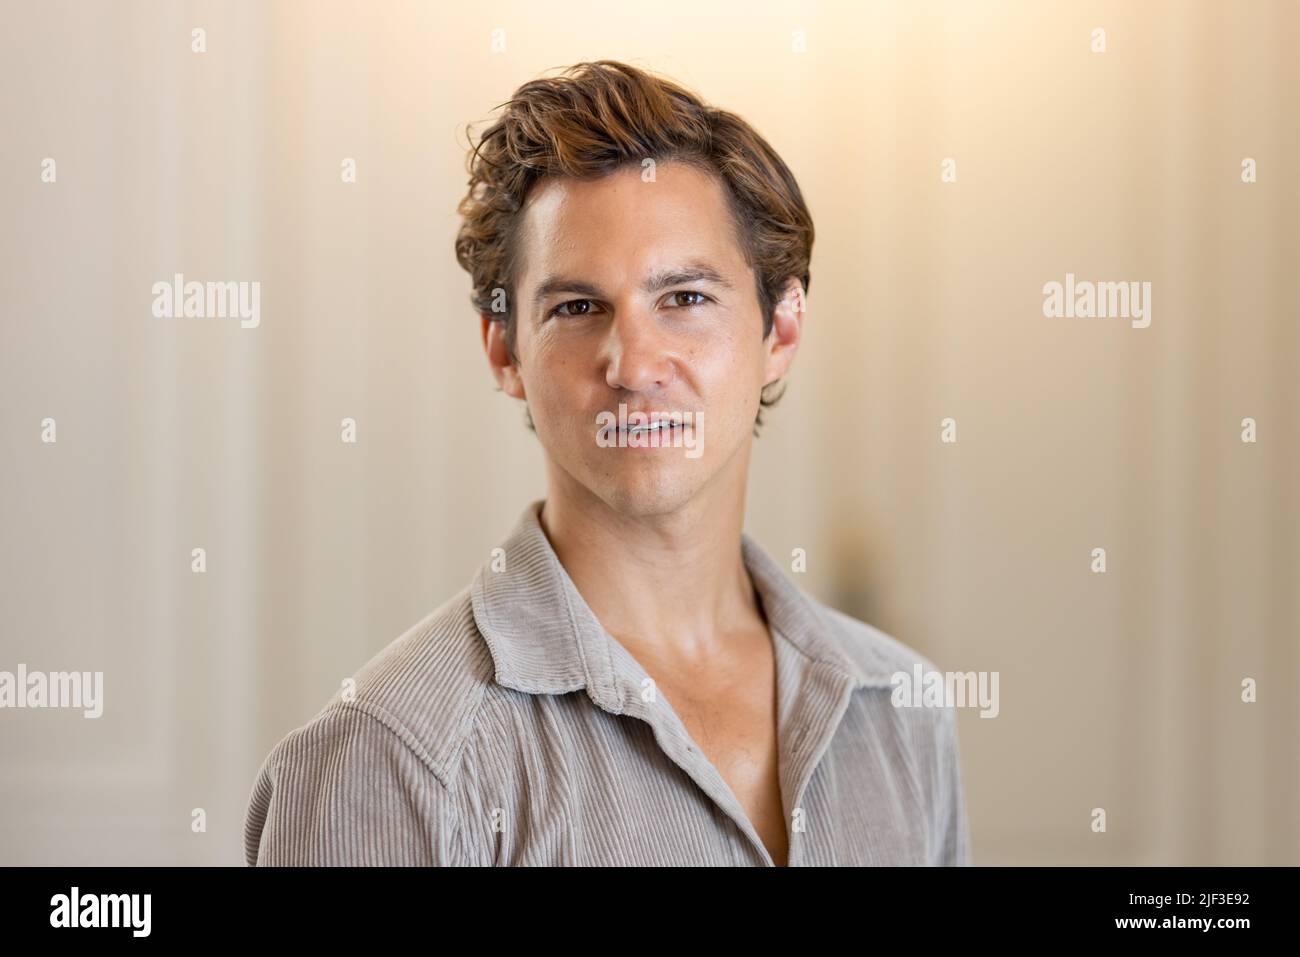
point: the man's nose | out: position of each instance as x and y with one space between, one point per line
638 353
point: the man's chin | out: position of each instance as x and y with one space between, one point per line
646 495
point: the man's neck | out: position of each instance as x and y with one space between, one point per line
674 586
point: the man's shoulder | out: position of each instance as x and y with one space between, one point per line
379 757
423 689
873 655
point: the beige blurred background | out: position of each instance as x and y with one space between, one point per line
1119 690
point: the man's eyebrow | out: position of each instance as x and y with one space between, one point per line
690 273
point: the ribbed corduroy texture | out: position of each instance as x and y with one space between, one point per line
509 728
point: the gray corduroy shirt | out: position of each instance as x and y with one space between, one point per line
508 727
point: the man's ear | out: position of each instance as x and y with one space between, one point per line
787 329
504 367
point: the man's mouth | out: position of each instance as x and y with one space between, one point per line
651 428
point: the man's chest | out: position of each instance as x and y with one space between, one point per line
735 726
567 783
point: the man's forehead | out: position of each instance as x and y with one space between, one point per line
569 224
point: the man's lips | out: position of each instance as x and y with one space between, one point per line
652 426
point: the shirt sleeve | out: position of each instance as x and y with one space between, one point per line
349 789
952 832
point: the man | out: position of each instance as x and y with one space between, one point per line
629 679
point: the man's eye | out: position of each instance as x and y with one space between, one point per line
584 303
699 302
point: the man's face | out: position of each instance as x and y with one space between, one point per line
637 294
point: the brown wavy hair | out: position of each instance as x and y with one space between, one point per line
592 120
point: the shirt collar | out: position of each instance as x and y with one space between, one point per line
544 639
